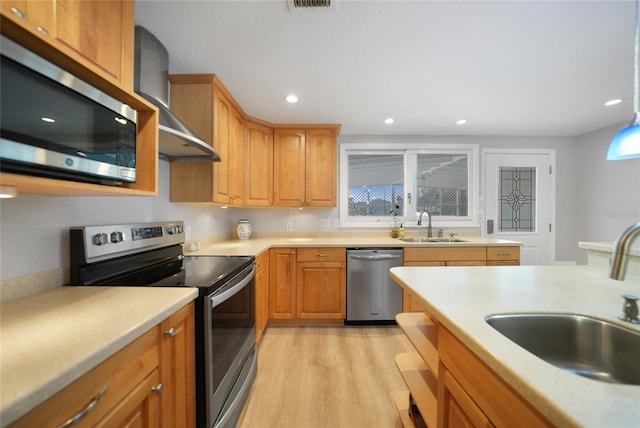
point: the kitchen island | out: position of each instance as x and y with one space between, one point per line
459 299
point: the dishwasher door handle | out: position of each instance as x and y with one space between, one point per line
376 257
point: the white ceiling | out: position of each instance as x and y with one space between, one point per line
509 67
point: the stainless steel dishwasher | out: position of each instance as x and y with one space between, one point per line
372 296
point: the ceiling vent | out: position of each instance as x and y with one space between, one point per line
311 5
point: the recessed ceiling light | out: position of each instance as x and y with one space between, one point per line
461 121
48 119
613 102
291 99
389 120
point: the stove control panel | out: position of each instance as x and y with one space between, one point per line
104 242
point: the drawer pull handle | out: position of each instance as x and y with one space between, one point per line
81 414
322 255
504 254
43 31
158 388
171 332
17 12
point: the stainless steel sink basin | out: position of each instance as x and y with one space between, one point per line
586 346
432 240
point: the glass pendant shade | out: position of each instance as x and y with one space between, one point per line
626 143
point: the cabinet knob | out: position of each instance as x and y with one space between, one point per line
20 14
158 388
171 332
84 412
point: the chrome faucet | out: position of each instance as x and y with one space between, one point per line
621 251
429 230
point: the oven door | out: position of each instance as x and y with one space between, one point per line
230 338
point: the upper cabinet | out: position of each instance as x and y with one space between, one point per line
262 164
305 167
93 40
205 105
100 31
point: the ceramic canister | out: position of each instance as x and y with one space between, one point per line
244 228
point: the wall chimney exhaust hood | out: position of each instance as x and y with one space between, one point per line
151 81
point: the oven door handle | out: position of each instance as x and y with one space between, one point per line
226 293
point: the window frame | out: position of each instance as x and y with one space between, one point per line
409 152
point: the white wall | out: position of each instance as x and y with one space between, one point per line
34 230
608 195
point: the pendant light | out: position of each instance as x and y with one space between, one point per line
626 143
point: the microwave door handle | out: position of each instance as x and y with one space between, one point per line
226 294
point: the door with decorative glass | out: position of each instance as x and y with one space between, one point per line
519 195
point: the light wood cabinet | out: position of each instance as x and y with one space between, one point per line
503 256
282 283
321 283
262 294
203 103
100 31
92 40
149 383
258 164
177 363
471 393
305 167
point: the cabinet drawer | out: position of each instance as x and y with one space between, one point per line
321 254
503 253
119 374
444 254
503 262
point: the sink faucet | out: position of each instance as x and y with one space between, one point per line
621 250
429 230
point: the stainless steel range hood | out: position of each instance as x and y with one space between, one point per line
151 80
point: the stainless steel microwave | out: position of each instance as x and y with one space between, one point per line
54 124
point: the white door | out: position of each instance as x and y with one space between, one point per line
519 200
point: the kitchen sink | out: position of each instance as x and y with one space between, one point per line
432 240
582 345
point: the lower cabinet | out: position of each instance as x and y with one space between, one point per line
450 387
321 284
307 285
262 293
149 383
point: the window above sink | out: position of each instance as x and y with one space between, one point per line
378 182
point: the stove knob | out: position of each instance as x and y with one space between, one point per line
179 229
100 239
172 230
117 237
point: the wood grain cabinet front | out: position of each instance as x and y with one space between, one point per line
203 103
100 31
149 383
262 294
321 284
282 284
305 167
258 164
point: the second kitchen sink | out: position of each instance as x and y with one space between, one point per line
585 346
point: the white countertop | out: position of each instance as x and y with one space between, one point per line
50 339
255 246
461 297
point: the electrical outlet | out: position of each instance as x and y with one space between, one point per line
289 226
187 232
324 222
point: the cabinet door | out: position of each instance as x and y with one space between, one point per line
288 167
321 168
282 283
262 293
321 290
102 31
141 408
177 365
38 15
456 408
236 149
258 166
221 142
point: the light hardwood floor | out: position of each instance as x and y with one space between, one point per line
326 377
